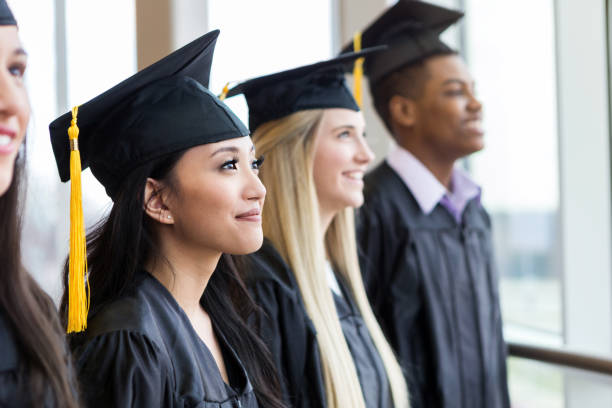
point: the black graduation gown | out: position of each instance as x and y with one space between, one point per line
13 379
291 337
9 367
433 286
286 328
141 351
370 368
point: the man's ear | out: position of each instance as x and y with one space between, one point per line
402 111
154 202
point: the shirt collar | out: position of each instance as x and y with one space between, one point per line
426 188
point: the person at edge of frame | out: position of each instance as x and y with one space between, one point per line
35 368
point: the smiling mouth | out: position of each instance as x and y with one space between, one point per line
5 140
355 175
252 216
6 144
474 124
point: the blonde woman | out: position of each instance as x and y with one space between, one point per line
316 319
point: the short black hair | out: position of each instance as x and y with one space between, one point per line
407 81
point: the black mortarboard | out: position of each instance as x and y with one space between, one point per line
316 86
6 16
411 29
160 110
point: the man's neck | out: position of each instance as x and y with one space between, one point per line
439 166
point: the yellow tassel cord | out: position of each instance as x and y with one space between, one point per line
78 286
357 69
224 92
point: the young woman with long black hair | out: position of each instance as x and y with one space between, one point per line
33 357
166 324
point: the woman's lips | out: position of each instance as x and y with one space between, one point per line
7 140
253 215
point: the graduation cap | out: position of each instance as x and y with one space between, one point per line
143 117
316 86
6 16
411 29
162 109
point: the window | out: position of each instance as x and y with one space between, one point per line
542 71
249 47
42 241
96 58
515 77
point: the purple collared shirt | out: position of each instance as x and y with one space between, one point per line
426 188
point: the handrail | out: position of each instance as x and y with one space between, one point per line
561 357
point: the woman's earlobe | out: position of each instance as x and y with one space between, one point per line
154 205
165 217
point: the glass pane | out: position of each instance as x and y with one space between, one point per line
41 246
543 385
534 384
284 35
515 74
97 58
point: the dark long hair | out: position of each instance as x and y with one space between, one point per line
120 245
30 313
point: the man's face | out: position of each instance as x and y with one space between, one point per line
448 115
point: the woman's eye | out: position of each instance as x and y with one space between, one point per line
17 70
344 134
230 165
257 163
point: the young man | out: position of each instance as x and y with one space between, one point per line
426 248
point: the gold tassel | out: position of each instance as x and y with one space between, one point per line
357 70
78 285
224 92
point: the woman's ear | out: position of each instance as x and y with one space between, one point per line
402 111
154 202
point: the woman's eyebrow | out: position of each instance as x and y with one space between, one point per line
20 51
343 127
232 149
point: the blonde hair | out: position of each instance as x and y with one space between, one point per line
291 222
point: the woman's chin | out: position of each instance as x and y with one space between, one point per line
245 245
354 200
6 177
